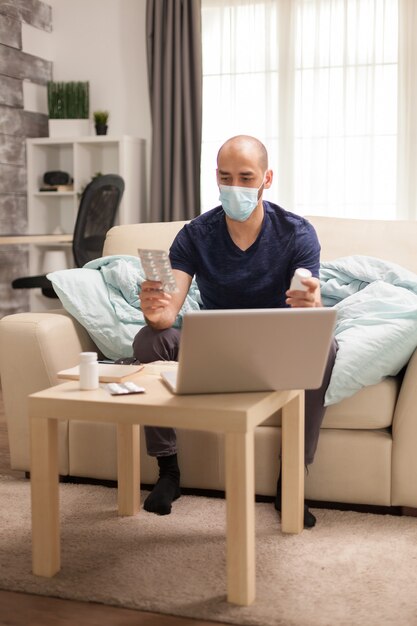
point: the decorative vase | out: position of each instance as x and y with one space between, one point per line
101 129
69 127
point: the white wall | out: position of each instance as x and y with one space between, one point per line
102 41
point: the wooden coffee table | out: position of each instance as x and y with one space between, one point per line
236 415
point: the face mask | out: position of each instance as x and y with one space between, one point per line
239 202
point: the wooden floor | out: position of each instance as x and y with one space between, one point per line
21 609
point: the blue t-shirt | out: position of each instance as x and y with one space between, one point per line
230 278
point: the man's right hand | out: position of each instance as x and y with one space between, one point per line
153 300
160 308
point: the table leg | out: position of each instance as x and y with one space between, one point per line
240 517
128 469
292 467
44 482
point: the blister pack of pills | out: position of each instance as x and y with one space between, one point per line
157 266
123 389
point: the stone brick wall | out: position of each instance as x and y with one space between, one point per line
16 125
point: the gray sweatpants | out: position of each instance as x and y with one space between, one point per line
162 345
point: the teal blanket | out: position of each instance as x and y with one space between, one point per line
104 297
376 326
376 301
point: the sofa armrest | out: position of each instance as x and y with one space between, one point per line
404 434
33 348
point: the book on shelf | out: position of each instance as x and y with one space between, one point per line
107 372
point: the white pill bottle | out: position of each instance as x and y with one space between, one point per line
300 274
88 370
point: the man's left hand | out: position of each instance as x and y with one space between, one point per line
309 298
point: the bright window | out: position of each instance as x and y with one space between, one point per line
316 81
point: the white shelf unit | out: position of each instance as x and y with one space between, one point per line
50 211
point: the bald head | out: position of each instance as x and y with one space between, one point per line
245 146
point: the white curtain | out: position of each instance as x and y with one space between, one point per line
330 87
407 111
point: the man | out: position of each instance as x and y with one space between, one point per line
243 255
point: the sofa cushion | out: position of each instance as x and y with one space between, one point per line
127 238
370 408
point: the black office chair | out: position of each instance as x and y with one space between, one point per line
99 203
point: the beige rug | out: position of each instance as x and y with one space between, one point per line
352 569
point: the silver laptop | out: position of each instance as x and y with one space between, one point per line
252 350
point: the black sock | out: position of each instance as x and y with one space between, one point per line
167 489
309 518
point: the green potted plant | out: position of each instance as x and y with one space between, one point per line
100 122
68 108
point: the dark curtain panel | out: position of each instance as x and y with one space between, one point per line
175 83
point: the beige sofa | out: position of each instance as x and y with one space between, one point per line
367 451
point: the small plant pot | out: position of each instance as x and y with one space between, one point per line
101 129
